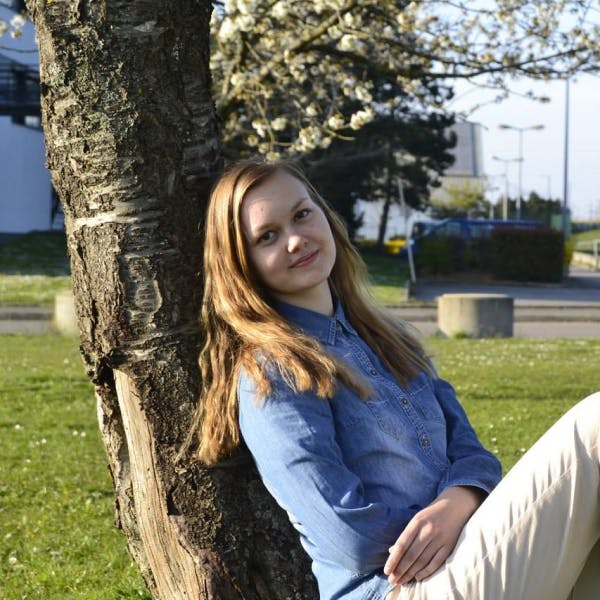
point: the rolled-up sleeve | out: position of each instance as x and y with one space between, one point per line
470 463
293 441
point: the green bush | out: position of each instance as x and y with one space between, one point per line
528 254
438 255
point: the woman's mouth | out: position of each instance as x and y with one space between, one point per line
306 260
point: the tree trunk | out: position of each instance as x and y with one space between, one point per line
132 143
385 212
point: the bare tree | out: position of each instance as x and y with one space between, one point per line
132 143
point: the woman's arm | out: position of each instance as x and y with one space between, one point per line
431 535
293 441
470 463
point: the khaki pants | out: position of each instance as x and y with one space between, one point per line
536 537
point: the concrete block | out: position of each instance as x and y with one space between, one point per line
64 318
476 315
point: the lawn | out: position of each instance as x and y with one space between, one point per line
58 539
33 268
586 236
583 241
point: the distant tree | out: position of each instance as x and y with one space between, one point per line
536 208
465 200
397 144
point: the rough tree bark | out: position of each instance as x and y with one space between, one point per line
132 142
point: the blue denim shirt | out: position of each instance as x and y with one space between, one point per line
352 473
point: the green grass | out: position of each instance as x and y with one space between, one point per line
514 389
33 268
583 240
388 275
57 538
586 236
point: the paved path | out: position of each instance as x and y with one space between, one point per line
580 288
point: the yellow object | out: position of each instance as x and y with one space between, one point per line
569 248
394 246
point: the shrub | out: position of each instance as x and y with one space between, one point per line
528 254
438 254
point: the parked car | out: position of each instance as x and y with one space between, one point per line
464 229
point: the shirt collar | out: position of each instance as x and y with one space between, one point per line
313 323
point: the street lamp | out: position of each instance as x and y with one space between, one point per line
505 197
520 130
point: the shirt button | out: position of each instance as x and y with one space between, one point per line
373 371
425 441
404 401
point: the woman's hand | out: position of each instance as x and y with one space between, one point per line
430 536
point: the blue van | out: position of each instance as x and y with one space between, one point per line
464 229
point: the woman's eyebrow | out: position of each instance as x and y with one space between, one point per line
264 226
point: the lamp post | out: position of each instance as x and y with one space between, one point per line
505 197
565 203
520 130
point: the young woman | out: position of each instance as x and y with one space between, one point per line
354 433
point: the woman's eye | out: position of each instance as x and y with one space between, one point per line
266 236
303 213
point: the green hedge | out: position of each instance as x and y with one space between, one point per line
528 254
450 254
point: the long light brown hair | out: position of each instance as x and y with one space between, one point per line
243 330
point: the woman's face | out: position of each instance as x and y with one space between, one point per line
289 242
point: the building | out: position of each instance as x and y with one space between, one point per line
467 170
27 199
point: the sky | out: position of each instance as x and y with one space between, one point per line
543 150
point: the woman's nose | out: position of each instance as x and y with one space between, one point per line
295 242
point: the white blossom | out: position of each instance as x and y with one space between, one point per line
361 117
279 123
335 122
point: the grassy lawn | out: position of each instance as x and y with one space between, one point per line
583 240
388 275
58 539
586 236
35 266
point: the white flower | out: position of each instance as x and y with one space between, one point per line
252 140
280 10
363 94
3 27
335 122
279 123
245 22
259 127
237 79
227 30
347 43
362 117
311 110
272 155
